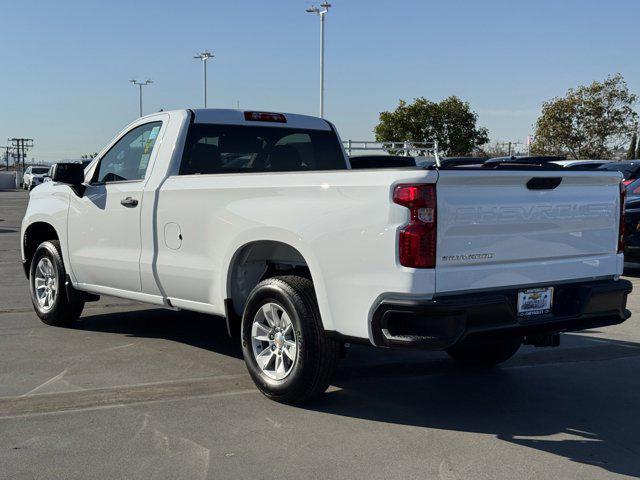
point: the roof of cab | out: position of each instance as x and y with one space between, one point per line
236 117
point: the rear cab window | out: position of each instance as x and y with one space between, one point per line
218 148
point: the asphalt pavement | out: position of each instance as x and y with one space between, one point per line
135 391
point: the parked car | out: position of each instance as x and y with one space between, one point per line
524 161
47 176
630 169
381 161
632 222
463 161
528 158
581 164
256 217
33 175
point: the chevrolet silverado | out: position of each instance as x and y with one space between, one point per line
258 218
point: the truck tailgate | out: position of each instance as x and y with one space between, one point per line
501 228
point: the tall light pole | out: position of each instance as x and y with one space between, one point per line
141 84
204 56
321 12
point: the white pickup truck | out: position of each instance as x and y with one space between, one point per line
257 217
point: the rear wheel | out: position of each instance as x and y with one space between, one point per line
485 352
48 291
287 352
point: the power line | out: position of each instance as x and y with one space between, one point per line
21 146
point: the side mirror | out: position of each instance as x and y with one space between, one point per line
69 173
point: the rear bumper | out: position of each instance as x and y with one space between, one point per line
439 323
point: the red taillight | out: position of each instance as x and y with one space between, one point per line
265 117
417 242
623 197
627 182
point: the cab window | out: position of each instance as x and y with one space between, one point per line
127 160
239 148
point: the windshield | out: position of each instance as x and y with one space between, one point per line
39 170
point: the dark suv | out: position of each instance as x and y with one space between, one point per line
630 169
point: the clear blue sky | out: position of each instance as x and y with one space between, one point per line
66 64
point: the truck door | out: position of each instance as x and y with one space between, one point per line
104 224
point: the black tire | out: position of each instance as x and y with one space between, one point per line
485 352
317 355
61 312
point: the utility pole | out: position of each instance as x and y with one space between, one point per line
141 84
21 146
204 56
6 156
321 14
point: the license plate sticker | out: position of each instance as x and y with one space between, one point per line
535 301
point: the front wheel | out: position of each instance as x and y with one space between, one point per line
287 352
48 291
485 352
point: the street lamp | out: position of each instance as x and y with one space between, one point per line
321 13
204 56
141 84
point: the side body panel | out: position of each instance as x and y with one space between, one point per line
49 203
167 161
343 223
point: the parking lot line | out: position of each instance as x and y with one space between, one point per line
102 397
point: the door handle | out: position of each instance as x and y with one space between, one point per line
129 202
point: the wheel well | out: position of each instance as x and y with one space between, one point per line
259 260
34 235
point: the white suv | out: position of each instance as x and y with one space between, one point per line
33 176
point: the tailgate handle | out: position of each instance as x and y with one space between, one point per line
543 183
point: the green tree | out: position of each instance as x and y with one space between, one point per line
451 122
590 121
631 153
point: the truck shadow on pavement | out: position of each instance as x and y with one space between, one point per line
579 403
198 330
582 410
